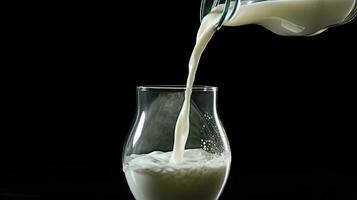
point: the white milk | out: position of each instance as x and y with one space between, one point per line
200 175
182 174
182 128
293 17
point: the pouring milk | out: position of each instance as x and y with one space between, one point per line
283 17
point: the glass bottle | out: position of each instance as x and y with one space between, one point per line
283 17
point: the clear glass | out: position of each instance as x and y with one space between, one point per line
153 130
232 6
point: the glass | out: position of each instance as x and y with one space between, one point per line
231 8
153 130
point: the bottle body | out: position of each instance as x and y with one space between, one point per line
291 17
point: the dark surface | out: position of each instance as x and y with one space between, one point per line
68 100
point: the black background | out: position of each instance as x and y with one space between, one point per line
68 99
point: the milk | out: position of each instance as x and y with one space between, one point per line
180 174
200 175
182 127
292 17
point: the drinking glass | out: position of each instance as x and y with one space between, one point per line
153 130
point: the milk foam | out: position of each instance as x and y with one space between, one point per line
200 175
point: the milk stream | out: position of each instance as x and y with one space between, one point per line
182 127
283 17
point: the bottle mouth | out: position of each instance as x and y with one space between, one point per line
230 7
176 87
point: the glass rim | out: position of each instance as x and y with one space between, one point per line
176 87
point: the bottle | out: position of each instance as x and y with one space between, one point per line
283 17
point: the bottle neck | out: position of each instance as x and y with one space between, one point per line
227 8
